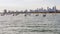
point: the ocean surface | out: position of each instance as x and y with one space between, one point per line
30 24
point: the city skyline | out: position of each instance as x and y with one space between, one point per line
38 10
28 4
53 9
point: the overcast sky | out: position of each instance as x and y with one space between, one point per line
28 4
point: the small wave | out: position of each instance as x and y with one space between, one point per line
3 21
29 30
41 31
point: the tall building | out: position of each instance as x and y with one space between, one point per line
54 8
41 9
31 11
36 10
48 9
5 11
26 11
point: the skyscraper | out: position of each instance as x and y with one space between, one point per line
48 9
54 8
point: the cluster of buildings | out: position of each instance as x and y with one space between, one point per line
41 10
53 9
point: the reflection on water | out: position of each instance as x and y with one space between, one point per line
50 24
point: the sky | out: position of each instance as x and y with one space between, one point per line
28 4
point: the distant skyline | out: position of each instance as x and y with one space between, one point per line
28 4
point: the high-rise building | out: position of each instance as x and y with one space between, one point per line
48 9
54 8
5 11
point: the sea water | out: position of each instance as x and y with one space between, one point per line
30 24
